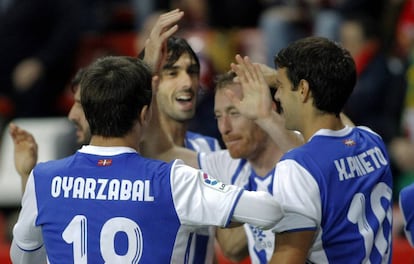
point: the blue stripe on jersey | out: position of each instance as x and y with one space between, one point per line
238 170
201 249
234 207
188 248
355 183
201 241
192 136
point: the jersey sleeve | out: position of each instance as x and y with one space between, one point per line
200 199
406 205
298 192
220 165
27 244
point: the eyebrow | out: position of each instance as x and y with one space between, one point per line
170 67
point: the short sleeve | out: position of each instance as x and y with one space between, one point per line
298 193
26 234
200 199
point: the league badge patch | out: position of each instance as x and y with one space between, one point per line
213 183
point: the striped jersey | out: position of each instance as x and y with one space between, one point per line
201 241
339 184
239 172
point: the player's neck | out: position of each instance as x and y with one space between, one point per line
266 159
323 121
126 141
175 129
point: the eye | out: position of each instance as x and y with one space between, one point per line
170 73
234 113
193 70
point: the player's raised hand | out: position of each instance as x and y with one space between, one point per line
156 45
25 151
256 101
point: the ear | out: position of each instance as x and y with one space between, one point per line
304 89
145 115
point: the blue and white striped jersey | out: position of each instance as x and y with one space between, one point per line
202 240
201 143
339 184
239 172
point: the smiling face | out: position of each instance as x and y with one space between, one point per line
243 137
177 91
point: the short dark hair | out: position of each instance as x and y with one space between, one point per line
74 83
114 90
325 65
222 80
176 47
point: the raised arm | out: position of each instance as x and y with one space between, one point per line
155 50
256 103
25 152
157 144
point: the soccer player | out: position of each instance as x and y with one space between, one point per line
107 203
177 96
179 81
406 198
336 189
247 162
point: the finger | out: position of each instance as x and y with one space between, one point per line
259 74
239 69
168 33
165 21
236 101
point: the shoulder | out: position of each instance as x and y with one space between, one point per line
196 136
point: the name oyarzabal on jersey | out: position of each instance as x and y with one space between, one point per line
113 189
101 189
361 164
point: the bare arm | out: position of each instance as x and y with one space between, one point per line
292 247
155 141
25 152
233 243
256 103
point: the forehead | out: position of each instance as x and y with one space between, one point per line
221 98
184 58
281 75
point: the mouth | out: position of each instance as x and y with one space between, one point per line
229 142
185 99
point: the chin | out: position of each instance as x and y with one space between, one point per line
236 154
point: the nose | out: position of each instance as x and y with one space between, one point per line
224 125
71 114
186 80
